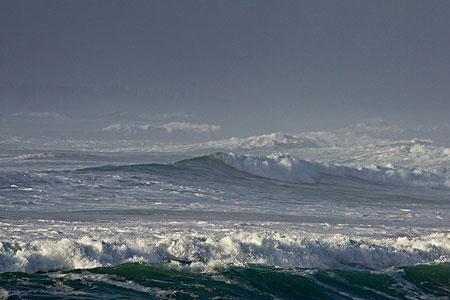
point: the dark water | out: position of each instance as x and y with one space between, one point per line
143 281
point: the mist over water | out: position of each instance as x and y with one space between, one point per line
251 67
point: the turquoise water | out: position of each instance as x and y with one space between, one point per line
144 281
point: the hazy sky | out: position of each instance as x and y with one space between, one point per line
248 66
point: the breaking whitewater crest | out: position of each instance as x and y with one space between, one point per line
285 167
205 251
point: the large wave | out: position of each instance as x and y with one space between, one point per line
287 168
207 250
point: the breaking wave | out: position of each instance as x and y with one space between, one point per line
209 250
287 168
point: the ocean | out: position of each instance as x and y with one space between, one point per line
271 217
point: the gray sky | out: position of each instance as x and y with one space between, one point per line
248 66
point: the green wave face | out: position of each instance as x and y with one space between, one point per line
142 281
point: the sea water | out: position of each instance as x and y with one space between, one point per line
314 221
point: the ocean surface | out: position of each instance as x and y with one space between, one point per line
347 215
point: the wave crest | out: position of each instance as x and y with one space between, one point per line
285 167
209 250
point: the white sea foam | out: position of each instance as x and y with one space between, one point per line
271 140
4 294
190 127
287 168
208 250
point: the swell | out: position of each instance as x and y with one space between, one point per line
141 281
287 168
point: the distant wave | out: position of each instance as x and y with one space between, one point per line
361 140
45 157
33 156
271 140
168 127
209 250
287 168
40 115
